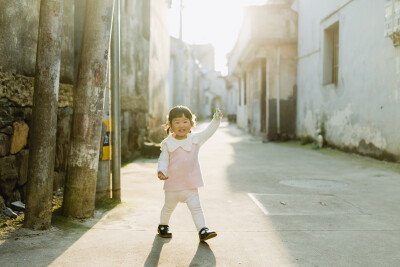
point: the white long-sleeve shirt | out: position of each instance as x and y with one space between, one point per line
181 161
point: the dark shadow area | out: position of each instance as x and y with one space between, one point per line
154 255
204 256
64 232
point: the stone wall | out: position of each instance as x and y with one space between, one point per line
141 112
16 93
19 22
144 75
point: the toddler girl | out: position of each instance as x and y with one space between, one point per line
179 167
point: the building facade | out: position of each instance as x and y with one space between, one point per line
193 80
348 75
144 58
263 65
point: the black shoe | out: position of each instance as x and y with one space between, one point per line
205 234
163 231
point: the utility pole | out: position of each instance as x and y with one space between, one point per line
80 186
115 106
180 20
44 117
179 97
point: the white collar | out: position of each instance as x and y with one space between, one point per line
173 143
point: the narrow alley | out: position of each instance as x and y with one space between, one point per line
272 204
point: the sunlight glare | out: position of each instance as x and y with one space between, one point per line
210 21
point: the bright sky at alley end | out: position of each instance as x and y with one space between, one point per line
210 21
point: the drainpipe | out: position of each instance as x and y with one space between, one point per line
278 74
267 119
115 105
179 84
180 20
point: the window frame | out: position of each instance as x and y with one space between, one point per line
331 54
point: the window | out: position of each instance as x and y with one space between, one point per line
331 55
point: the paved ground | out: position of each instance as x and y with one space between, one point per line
271 204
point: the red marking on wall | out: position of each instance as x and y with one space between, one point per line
97 77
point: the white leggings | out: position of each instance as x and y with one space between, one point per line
192 200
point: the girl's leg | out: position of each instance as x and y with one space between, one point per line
193 202
171 200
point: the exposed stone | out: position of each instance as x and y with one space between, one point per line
7 130
8 175
59 180
28 114
4 102
19 89
22 191
22 159
10 114
140 141
19 137
65 97
63 136
16 196
124 142
4 145
18 205
133 103
2 204
140 121
157 134
151 150
10 213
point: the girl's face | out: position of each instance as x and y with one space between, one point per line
181 127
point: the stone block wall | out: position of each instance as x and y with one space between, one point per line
144 75
16 95
141 111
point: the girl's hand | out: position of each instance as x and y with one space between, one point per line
161 176
219 114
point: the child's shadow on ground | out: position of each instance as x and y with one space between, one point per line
203 257
154 256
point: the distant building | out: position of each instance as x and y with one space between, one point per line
193 79
348 74
263 66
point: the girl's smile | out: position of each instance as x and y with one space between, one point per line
181 127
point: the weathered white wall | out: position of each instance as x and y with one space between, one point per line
268 34
159 61
362 111
232 98
18 42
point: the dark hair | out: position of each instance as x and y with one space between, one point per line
177 112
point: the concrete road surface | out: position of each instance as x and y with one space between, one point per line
272 204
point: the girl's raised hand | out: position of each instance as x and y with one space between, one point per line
161 176
218 113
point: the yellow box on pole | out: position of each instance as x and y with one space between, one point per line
107 142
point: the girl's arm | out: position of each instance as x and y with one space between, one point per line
163 160
203 136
